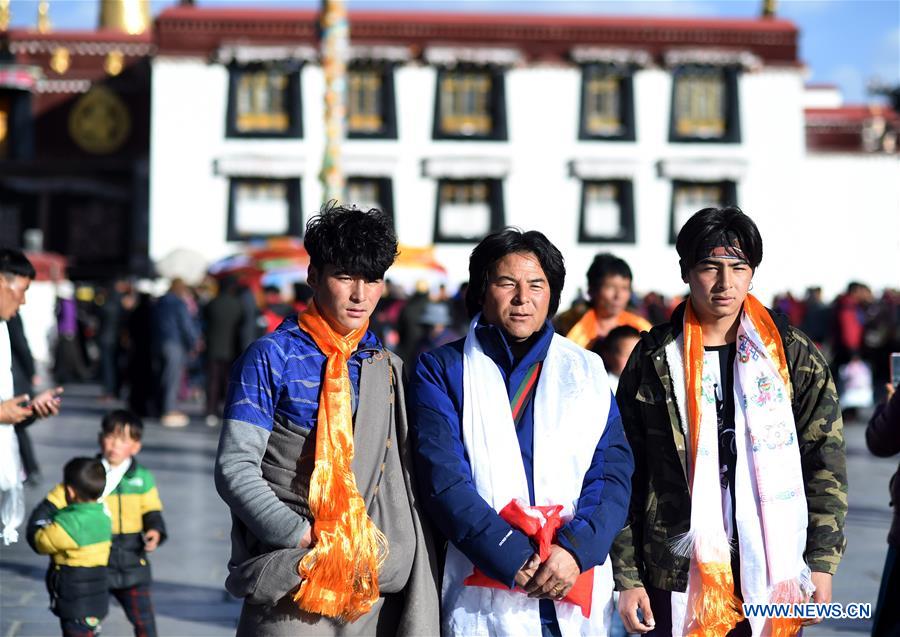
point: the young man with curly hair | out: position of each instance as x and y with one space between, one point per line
313 460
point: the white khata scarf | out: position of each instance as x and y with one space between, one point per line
770 501
571 406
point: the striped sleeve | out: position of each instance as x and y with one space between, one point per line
253 386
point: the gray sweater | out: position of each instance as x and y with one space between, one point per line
264 478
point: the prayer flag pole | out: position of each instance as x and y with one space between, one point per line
334 50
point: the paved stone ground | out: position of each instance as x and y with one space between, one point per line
190 568
188 571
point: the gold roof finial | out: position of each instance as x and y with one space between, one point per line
4 15
768 10
130 16
43 22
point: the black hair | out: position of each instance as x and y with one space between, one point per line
718 227
606 346
271 289
118 420
15 263
86 476
497 245
604 265
357 242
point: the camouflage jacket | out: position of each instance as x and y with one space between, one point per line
660 501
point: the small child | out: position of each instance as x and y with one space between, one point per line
132 502
77 538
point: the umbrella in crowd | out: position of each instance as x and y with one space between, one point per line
185 264
270 262
281 262
414 265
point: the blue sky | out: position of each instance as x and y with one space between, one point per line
845 42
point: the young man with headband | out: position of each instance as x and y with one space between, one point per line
740 483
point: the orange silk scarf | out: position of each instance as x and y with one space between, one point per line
586 329
340 573
717 610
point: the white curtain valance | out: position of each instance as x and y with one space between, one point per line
453 55
466 167
259 166
732 169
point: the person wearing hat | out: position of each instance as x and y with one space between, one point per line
436 321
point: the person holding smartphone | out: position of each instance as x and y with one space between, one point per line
883 440
16 273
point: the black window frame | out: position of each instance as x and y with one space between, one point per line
388 101
294 103
295 216
626 104
732 133
499 131
729 198
385 192
625 192
495 199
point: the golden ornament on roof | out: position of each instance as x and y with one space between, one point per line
114 63
60 60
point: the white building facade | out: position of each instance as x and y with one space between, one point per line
603 133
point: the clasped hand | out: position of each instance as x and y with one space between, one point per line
552 579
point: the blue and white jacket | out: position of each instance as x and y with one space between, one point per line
445 475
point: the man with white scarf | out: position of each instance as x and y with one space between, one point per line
740 484
16 273
515 416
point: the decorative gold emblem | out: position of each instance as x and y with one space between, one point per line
99 122
60 60
114 63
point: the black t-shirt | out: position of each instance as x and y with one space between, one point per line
718 371
718 377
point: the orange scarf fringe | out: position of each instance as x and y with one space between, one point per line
340 573
716 610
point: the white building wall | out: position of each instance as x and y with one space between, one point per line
189 202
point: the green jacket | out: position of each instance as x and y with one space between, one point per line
660 501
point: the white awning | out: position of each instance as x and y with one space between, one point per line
246 54
600 169
380 52
453 55
714 57
732 169
607 55
368 165
259 166
466 167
